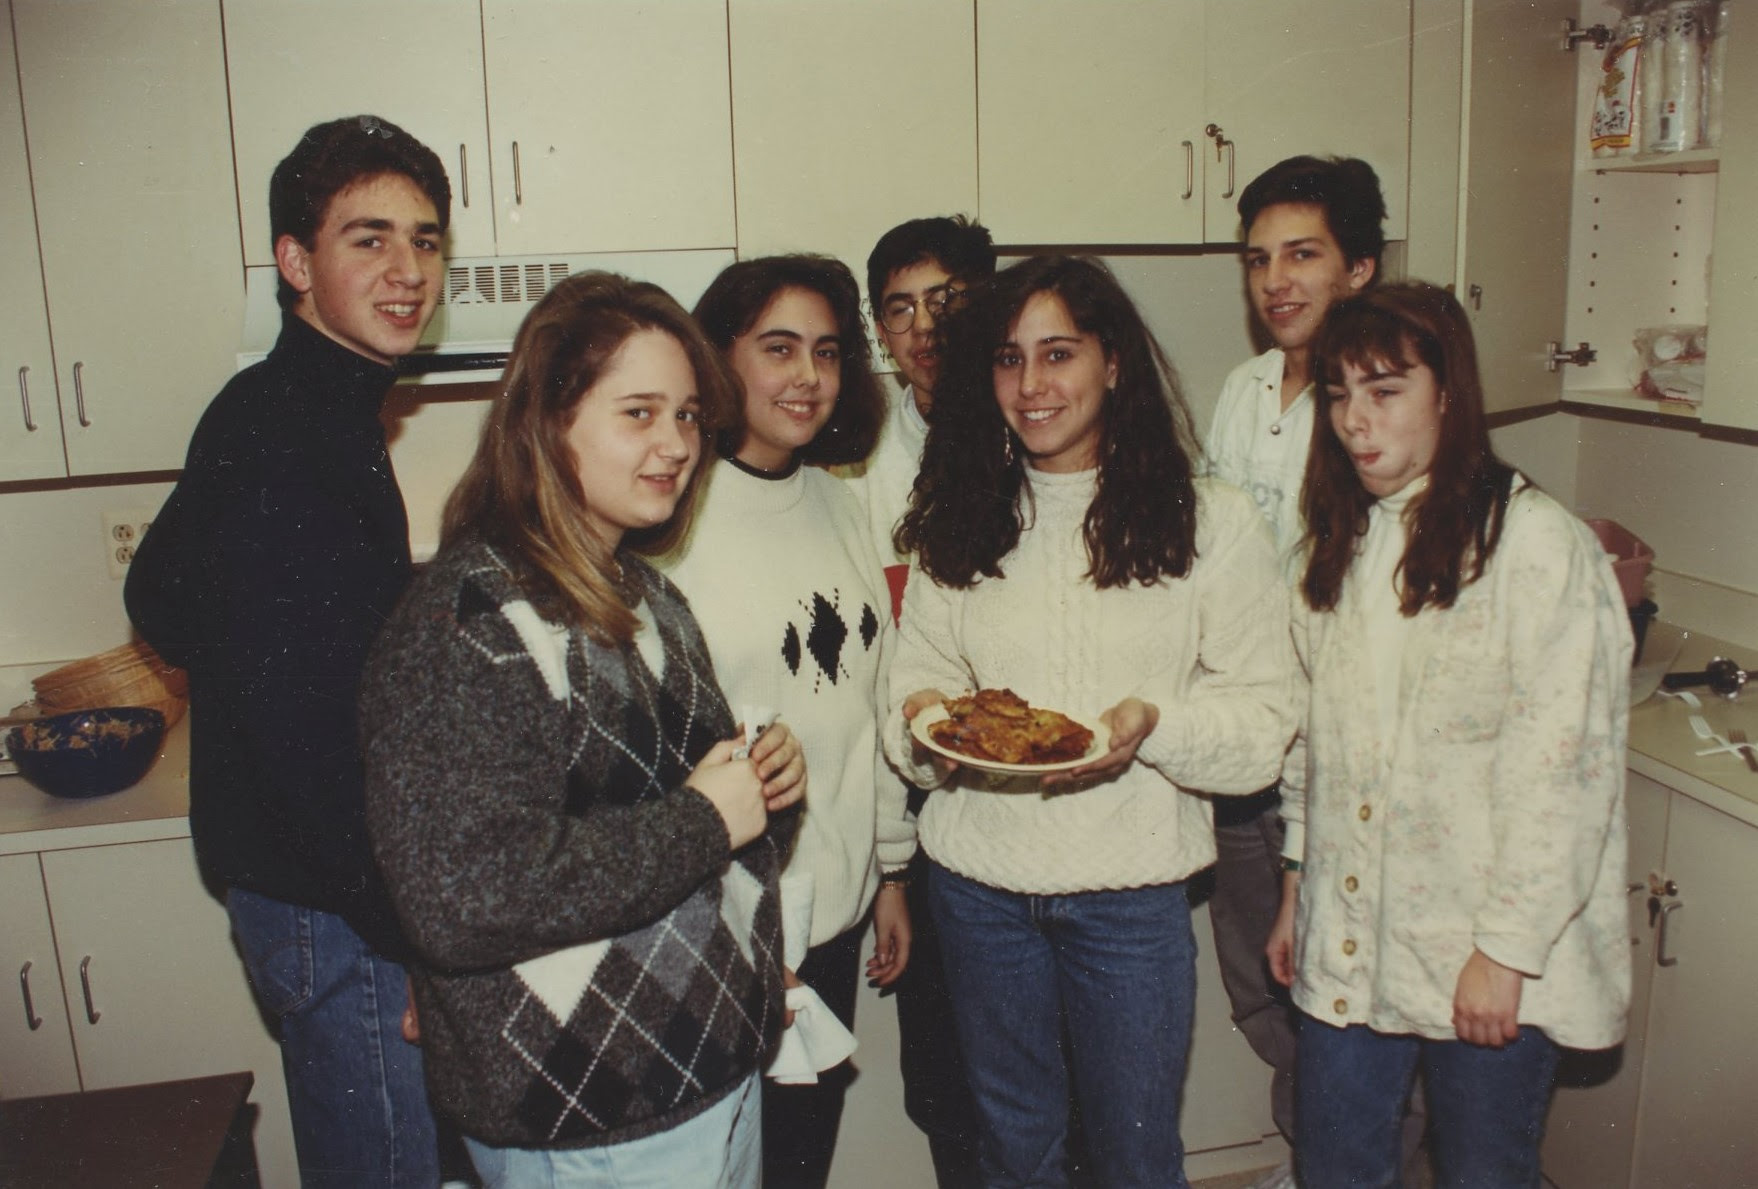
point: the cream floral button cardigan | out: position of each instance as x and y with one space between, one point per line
1494 816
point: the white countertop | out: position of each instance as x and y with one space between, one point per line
1662 747
157 807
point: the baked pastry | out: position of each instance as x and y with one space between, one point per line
998 726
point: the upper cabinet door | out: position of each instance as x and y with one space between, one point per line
416 63
1091 114
1729 395
1514 197
612 124
30 420
1290 77
131 162
850 117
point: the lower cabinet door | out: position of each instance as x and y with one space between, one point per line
1697 1126
36 1051
155 989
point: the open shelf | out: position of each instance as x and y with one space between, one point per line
1689 161
1626 401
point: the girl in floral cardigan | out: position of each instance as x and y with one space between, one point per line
1455 806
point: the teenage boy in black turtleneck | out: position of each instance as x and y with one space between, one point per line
277 557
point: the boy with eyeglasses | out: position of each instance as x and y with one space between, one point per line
918 273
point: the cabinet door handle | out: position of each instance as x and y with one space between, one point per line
464 175
79 394
24 398
1661 957
518 187
24 984
85 985
1232 158
1189 170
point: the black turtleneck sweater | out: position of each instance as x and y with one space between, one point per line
267 575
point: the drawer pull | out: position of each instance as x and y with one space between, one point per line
24 984
24 398
85 984
79 394
464 174
1661 958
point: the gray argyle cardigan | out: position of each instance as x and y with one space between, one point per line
593 967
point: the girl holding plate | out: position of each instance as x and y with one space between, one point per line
1068 551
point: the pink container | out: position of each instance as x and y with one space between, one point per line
1632 558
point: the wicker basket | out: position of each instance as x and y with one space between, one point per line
132 675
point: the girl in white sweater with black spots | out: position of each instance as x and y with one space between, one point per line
1067 551
781 573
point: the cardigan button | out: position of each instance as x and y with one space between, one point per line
1348 947
1365 812
1275 430
1351 884
1340 1007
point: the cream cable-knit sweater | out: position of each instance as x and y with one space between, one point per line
1211 650
782 577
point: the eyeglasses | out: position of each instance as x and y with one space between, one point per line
899 312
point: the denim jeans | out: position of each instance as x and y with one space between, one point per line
1486 1107
354 1085
721 1148
1114 972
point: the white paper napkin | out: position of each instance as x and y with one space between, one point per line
814 1042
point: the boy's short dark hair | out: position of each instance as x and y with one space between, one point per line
1345 188
332 156
962 247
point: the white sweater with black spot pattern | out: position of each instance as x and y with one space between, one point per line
782 575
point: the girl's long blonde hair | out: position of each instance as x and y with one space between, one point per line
520 492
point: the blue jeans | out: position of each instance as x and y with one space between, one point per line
1114 972
1486 1107
718 1149
354 1085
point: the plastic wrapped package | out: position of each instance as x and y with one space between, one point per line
1671 362
1616 129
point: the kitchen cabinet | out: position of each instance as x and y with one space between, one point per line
134 981
1637 234
1677 1112
36 1048
1514 193
1135 122
564 127
850 118
289 70
30 420
130 167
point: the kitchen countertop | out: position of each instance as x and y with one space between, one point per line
1662 747
157 807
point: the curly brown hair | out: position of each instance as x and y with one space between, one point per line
965 511
521 492
1454 526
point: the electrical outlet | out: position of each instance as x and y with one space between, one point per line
123 530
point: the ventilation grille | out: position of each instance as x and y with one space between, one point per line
502 284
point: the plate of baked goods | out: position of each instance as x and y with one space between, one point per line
995 730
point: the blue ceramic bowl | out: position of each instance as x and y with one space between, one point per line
87 753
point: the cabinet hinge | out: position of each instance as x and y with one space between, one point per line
1581 356
1574 35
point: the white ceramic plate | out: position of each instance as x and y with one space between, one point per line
937 713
